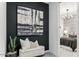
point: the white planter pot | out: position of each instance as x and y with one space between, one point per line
11 54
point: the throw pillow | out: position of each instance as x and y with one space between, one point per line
25 43
22 42
34 44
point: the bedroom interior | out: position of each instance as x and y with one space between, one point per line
50 29
68 29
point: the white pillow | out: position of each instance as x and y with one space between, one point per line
25 43
22 42
34 44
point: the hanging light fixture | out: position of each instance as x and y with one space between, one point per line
68 16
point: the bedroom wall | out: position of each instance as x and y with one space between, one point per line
53 27
78 28
12 22
2 29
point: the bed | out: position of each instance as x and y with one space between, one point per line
69 41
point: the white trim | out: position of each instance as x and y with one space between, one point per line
46 51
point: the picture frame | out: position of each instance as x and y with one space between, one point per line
29 21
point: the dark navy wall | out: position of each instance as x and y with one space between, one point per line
12 22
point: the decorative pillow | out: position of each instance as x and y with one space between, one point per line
22 42
34 44
25 43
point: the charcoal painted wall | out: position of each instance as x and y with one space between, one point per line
12 22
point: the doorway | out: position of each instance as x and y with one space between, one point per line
68 29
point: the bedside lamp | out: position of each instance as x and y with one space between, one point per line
66 33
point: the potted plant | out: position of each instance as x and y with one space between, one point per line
12 47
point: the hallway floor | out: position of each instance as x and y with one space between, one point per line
48 54
67 52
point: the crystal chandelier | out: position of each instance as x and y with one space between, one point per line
67 16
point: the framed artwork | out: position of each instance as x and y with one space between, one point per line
29 21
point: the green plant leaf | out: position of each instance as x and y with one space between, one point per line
9 48
11 42
14 43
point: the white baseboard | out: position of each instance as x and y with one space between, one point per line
51 53
46 51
